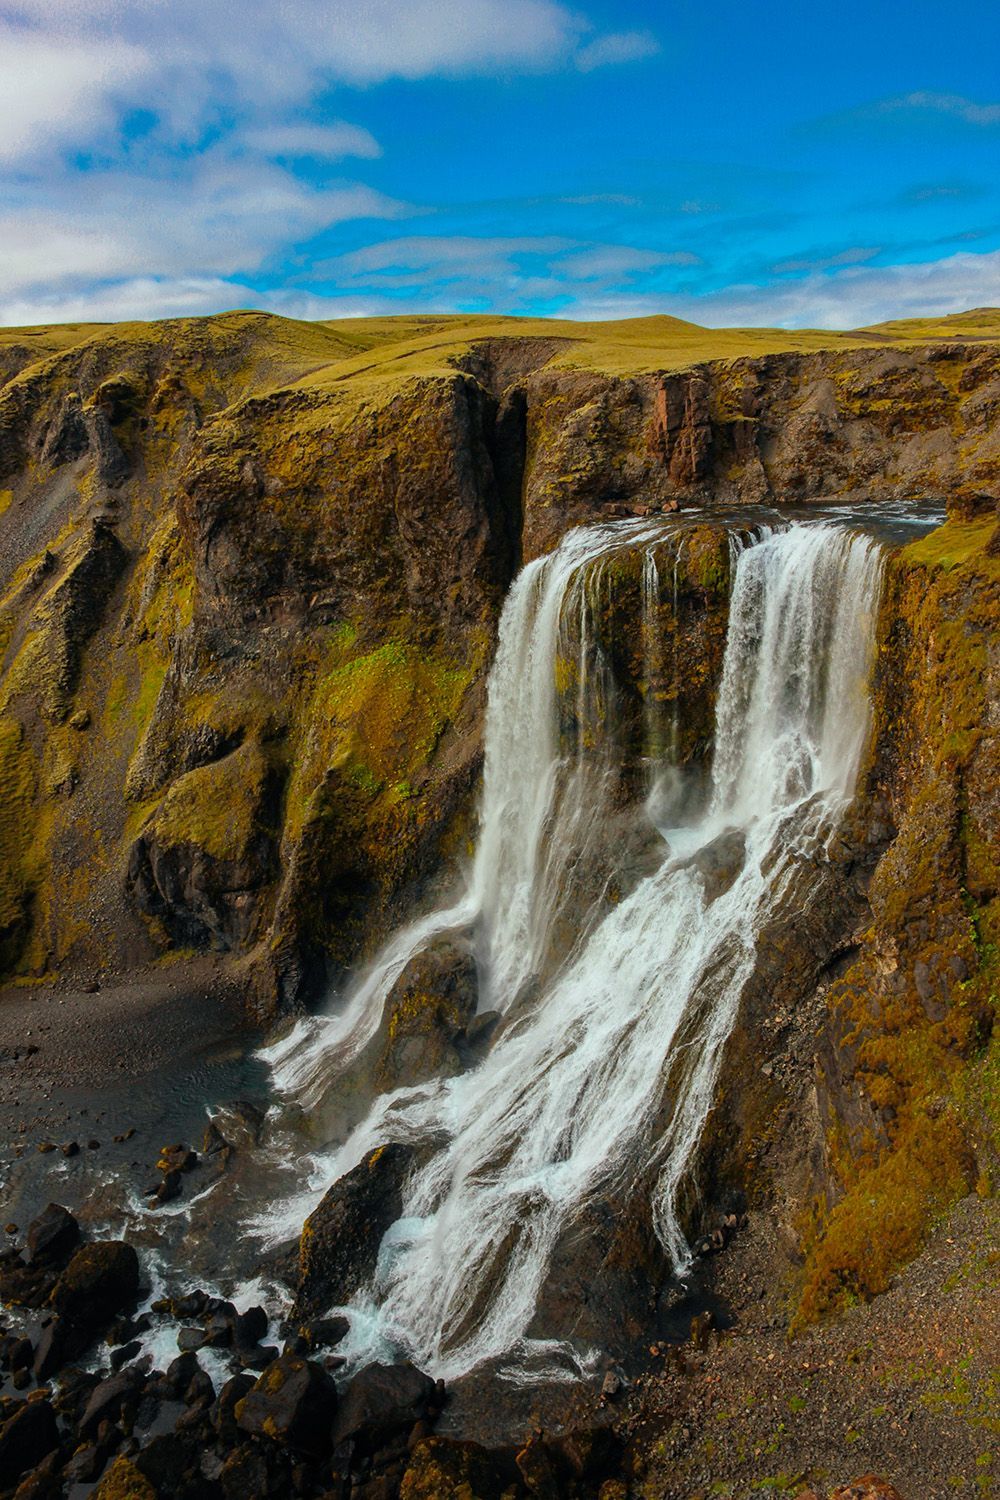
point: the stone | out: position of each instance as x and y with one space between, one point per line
341 1237
868 1487
109 1398
26 1438
444 1469
382 1402
293 1403
101 1280
537 1471
250 1327
52 1235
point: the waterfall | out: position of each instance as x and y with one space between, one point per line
606 1064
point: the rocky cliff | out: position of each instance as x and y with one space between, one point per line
249 585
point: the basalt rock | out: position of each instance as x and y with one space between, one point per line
26 1437
100 1282
340 1239
383 1402
293 1403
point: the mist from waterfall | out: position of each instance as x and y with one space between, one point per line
604 1063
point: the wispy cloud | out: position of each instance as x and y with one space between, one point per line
852 256
236 213
856 296
615 262
330 142
616 47
166 146
956 105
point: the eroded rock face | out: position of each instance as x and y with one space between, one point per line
226 551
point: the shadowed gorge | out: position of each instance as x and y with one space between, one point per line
535 785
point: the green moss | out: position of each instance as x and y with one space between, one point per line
375 719
918 1053
219 807
18 781
123 1481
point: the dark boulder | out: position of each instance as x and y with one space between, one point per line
443 1469
26 1438
341 1238
52 1236
293 1403
382 1402
101 1281
109 1399
426 1015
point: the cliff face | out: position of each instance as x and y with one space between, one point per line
251 582
243 651
250 577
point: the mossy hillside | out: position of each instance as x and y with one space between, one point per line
916 1010
376 740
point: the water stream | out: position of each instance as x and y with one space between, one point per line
606 1055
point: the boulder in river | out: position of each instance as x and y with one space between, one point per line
383 1402
293 1403
341 1237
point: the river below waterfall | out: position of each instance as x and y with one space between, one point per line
612 922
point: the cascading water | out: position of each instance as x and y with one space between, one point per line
607 1061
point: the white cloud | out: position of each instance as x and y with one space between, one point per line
854 255
609 262
330 142
68 65
236 213
616 47
144 298
947 104
51 92
856 296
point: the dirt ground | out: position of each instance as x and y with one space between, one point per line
907 1387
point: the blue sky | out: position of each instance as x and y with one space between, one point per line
788 163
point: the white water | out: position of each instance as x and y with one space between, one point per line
606 1063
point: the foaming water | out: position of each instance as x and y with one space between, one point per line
606 1058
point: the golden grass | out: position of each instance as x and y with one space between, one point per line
370 358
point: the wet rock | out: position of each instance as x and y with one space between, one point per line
537 1471
720 862
126 1352
250 1327
294 1402
100 1281
325 1333
383 1401
426 1015
341 1237
26 1438
177 1159
224 1411
191 1339
110 1399
52 1236
443 1469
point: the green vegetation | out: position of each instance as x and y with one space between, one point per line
917 1008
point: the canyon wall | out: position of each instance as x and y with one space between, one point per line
249 588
